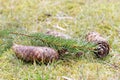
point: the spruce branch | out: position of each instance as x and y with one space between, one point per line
71 45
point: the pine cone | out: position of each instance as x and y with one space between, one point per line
31 53
58 34
103 47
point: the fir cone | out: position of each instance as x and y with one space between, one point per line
58 34
31 53
103 47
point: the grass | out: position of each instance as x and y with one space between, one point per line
73 17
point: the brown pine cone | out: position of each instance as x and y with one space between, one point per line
58 34
103 47
31 53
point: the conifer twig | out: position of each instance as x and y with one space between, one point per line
59 43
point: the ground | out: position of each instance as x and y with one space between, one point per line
73 17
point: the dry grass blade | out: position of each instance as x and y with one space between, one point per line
67 78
